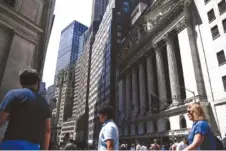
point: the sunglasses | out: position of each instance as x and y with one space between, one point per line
189 111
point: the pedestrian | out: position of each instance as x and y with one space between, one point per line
109 135
182 145
164 147
174 146
155 146
133 148
143 147
138 146
28 115
70 145
200 136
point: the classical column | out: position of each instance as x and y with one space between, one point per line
173 72
135 90
128 95
193 78
142 87
150 82
161 79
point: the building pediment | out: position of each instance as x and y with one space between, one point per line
137 40
159 10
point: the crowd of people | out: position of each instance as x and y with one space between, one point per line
28 119
178 146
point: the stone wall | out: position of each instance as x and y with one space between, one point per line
20 31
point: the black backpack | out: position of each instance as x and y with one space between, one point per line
219 144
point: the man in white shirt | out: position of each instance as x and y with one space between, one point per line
182 145
144 148
109 135
138 147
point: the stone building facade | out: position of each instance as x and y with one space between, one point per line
160 70
64 95
25 27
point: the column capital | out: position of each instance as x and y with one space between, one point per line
167 37
155 46
187 3
181 25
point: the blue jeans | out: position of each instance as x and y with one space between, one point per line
18 145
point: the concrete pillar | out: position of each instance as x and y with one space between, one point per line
173 73
128 95
135 89
161 79
150 82
142 91
189 56
19 57
5 42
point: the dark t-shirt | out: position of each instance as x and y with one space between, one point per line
27 114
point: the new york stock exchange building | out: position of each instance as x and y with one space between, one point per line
161 67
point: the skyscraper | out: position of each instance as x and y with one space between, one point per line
69 45
102 73
42 89
99 7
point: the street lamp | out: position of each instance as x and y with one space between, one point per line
187 90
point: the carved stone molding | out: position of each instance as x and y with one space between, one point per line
181 25
187 3
167 37
155 46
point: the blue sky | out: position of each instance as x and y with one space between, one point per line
66 11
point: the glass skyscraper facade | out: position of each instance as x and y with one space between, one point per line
69 45
100 69
99 7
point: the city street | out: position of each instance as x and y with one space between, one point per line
159 65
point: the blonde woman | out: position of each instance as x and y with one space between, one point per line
200 136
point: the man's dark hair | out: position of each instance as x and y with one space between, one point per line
106 110
29 77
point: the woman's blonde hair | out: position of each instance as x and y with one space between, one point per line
197 111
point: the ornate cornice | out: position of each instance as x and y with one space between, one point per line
181 25
171 18
21 25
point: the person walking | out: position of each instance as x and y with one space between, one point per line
182 145
155 146
28 115
138 146
200 136
109 134
143 147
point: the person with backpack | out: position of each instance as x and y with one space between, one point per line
201 136
28 115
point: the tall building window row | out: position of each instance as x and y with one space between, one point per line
221 57
224 82
222 6
224 24
211 15
215 32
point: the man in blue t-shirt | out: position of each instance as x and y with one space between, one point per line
28 115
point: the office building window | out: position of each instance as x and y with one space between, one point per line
222 6
224 82
10 2
206 1
215 32
221 57
211 15
224 24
